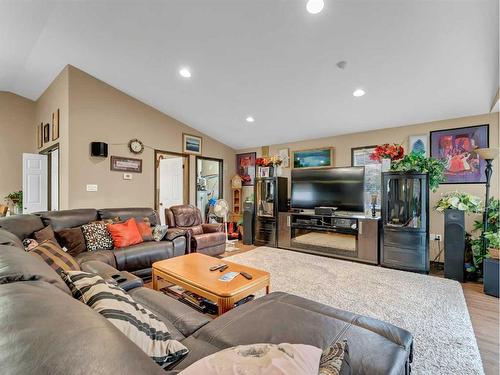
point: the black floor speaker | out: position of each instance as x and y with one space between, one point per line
454 245
248 223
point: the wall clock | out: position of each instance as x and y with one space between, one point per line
135 146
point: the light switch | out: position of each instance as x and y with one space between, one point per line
127 176
91 187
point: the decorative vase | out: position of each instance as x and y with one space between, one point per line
386 165
278 171
271 171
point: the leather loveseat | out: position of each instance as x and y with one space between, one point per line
208 239
136 258
44 330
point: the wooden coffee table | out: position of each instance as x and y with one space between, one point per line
192 273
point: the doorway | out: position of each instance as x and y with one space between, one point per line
209 183
171 181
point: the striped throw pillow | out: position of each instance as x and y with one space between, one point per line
52 254
139 324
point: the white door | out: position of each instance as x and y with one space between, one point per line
35 189
171 179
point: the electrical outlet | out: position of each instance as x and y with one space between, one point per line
435 237
91 187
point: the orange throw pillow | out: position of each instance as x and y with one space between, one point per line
145 230
125 234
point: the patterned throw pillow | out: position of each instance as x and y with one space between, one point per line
137 323
159 231
52 254
335 360
97 236
259 359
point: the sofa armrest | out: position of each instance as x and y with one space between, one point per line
212 228
173 233
106 272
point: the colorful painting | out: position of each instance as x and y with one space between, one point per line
456 147
418 143
318 158
245 167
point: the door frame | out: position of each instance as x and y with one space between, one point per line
47 151
221 174
186 176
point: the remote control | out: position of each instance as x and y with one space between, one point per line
217 266
246 275
223 268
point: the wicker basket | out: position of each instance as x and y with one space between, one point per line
494 253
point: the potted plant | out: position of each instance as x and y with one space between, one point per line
15 199
493 240
418 162
459 201
387 153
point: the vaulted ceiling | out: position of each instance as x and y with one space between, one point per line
417 60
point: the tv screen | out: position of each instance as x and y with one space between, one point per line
333 187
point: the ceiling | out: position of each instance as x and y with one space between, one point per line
417 60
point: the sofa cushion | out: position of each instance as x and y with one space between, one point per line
105 256
184 215
52 254
159 232
10 239
143 255
68 218
135 321
125 234
145 229
72 239
260 359
97 236
45 234
16 265
23 226
138 213
45 331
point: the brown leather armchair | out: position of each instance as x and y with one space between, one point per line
208 239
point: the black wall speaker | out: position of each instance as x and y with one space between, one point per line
454 245
99 149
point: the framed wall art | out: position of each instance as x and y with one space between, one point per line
418 143
284 155
39 135
46 133
191 144
456 147
316 158
360 157
245 167
55 125
122 164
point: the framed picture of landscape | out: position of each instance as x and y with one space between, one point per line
316 158
456 148
191 144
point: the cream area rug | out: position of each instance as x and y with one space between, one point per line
433 309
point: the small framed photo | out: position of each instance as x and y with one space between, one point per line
55 125
122 164
39 135
284 155
46 133
264 172
191 144
419 144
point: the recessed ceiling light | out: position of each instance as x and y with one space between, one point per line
315 6
359 92
184 72
250 119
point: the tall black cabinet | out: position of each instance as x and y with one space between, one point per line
271 195
405 220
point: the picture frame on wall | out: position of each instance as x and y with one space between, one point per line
456 148
419 143
245 167
39 135
122 164
46 133
284 155
55 125
191 144
360 157
313 158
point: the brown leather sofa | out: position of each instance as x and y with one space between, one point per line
208 239
136 258
44 330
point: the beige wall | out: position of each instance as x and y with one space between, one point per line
343 144
17 135
53 98
99 112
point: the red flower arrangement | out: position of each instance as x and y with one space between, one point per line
387 151
262 162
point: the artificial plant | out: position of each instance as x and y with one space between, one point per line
16 198
418 162
459 201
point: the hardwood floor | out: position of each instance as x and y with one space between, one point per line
483 311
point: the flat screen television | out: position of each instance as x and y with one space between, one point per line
328 187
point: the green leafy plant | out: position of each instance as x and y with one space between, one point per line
418 162
493 239
459 201
16 198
